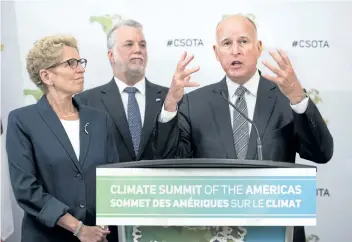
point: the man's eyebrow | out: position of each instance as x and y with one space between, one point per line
142 41
224 40
228 39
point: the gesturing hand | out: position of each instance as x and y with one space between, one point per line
286 78
180 80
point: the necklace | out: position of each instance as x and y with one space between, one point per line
68 115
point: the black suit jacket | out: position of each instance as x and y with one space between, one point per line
47 178
202 129
107 98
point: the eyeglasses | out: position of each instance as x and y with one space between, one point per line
73 63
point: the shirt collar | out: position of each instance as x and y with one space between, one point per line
251 85
139 85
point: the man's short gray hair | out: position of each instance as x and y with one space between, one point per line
111 38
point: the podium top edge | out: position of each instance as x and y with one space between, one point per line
205 163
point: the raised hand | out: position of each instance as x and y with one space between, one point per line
286 78
180 80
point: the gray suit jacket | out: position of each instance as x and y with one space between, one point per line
202 129
47 178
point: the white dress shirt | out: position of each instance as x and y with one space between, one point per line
72 130
250 96
140 95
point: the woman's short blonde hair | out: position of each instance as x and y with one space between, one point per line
45 53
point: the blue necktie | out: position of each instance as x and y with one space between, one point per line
134 117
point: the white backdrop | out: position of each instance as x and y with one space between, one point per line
323 67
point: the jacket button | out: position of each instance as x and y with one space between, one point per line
79 176
81 205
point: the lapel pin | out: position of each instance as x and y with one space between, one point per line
85 128
157 100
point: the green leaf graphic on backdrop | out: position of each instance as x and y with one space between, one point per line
106 21
36 93
1 47
315 97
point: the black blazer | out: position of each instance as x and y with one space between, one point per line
107 98
202 129
47 178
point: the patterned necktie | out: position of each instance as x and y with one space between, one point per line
134 117
240 124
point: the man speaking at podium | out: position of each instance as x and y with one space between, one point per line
203 124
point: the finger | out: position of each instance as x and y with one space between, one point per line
189 72
182 58
191 84
274 79
284 57
180 61
105 232
278 60
273 68
186 61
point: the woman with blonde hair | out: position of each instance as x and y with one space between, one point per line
54 147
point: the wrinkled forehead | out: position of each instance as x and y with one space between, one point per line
127 33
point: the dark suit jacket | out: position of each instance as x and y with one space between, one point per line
202 129
107 98
47 178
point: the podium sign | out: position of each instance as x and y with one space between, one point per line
206 202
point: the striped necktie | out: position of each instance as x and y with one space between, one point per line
240 124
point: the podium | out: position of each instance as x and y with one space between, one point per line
206 200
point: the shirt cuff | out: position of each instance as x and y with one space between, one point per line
166 116
300 107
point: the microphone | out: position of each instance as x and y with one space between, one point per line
259 141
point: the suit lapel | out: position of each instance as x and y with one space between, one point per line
266 99
112 100
154 101
52 120
84 133
221 113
